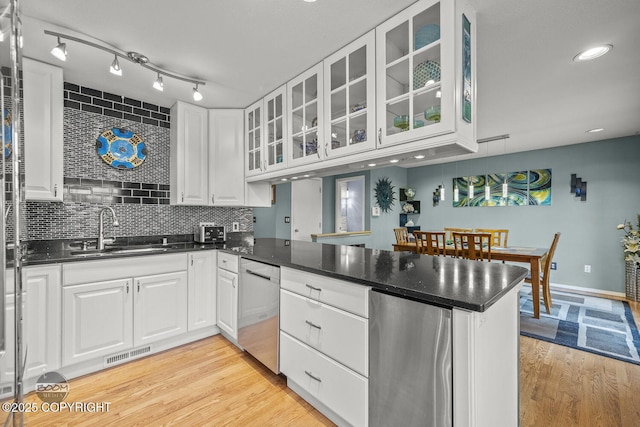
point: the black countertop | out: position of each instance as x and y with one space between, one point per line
445 281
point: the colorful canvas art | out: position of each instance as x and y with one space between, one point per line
540 187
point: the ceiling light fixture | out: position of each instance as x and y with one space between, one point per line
419 156
60 52
596 130
115 67
371 165
394 161
158 84
593 53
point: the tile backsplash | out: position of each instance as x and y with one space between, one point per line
139 196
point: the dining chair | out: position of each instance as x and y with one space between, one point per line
476 246
402 235
545 271
449 232
430 242
498 236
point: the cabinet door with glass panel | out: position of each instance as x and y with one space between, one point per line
349 109
419 73
274 125
253 120
304 107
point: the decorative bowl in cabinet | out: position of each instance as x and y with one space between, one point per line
433 113
427 34
401 122
417 123
424 72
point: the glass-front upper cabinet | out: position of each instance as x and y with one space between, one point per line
349 109
304 107
275 125
253 119
425 73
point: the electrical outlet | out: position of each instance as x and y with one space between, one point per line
236 226
554 266
587 268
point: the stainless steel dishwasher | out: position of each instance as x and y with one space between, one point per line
410 377
258 311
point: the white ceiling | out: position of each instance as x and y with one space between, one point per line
528 84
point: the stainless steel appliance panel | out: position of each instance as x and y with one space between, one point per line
410 376
258 311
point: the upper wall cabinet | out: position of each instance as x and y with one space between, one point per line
265 125
349 95
189 155
304 114
226 143
426 73
43 134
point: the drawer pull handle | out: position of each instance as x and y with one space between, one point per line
313 288
313 325
313 376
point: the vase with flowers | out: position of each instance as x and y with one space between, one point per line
631 245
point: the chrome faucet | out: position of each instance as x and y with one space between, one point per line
101 239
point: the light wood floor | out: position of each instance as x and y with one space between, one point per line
212 383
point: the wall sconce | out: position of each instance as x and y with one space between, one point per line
578 187
438 194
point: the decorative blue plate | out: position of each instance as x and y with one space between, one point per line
121 148
426 34
7 129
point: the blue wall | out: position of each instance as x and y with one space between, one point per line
270 221
589 235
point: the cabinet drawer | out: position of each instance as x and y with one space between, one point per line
340 389
336 333
228 262
338 293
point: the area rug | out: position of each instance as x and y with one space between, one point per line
597 325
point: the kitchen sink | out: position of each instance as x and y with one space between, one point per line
116 250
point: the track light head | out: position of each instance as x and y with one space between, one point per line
115 67
197 96
158 84
60 51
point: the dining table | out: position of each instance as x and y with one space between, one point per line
518 254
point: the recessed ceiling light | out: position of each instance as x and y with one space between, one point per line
371 165
306 176
309 1
593 53
283 179
595 130
419 156
394 161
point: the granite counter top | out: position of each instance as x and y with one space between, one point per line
444 281
449 282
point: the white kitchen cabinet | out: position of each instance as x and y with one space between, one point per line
159 307
202 289
189 155
139 300
324 343
43 132
227 301
97 319
349 98
226 151
425 79
41 322
265 126
304 115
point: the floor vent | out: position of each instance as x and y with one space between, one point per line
125 356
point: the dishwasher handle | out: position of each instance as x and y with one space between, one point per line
264 276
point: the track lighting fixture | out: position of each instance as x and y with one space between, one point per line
197 96
60 52
115 67
158 84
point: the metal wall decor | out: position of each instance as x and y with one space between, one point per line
579 187
121 148
384 194
521 188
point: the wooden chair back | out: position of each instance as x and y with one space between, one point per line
474 246
402 235
545 271
449 232
430 242
498 236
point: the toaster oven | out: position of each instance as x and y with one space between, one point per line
209 233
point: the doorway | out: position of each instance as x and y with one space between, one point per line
306 208
349 204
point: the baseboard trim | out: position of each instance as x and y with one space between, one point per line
587 291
